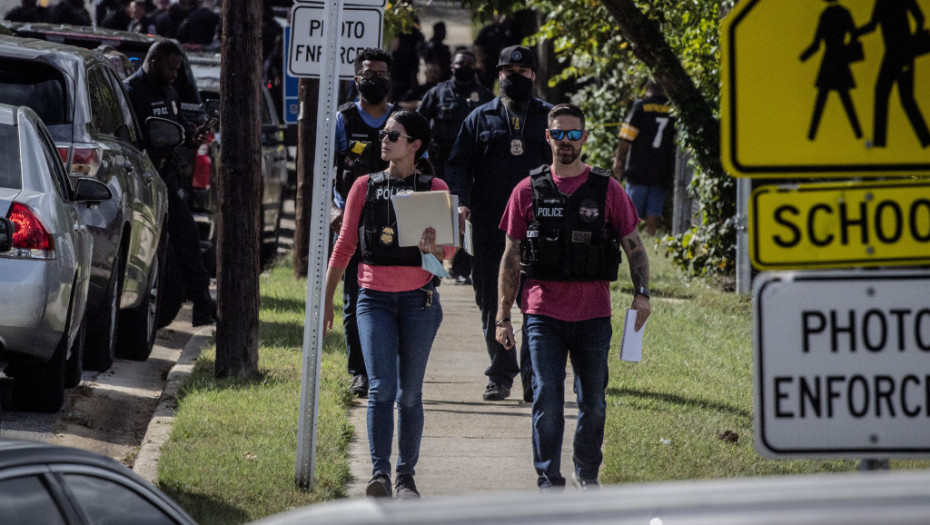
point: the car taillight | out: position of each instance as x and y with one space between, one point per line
203 168
30 238
85 161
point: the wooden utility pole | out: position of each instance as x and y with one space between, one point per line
306 144
239 192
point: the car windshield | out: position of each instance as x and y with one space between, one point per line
40 88
10 176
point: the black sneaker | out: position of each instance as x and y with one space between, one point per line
359 385
379 486
204 312
496 392
585 484
405 488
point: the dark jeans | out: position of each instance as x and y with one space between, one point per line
185 240
587 344
355 361
397 332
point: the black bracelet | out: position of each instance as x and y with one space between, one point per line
500 322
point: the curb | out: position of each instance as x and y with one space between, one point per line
159 429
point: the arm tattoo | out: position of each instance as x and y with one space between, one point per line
508 281
639 268
639 260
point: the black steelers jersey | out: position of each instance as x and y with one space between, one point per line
650 127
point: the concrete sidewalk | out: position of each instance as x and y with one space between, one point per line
469 445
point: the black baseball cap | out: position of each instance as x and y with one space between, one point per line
517 56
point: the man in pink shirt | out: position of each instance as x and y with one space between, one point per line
565 225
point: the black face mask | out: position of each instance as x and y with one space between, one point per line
464 74
517 86
374 90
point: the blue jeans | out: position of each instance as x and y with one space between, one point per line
396 331
587 344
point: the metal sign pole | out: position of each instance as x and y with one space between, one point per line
743 266
319 239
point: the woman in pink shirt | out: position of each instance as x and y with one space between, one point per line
398 310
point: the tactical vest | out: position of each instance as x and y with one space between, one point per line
451 111
377 227
363 156
569 239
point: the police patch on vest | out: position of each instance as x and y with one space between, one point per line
555 211
588 211
387 236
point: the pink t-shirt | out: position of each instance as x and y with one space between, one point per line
381 278
567 300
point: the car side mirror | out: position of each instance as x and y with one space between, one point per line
212 107
91 191
6 234
164 133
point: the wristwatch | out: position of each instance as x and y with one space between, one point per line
642 290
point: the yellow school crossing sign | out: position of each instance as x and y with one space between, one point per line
833 88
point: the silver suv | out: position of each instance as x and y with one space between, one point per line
79 96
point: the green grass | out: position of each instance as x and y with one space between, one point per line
232 454
694 383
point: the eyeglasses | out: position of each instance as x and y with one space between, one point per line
393 135
369 74
559 134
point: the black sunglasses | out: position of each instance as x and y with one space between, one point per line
559 134
393 135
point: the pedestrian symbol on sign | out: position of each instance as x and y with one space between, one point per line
842 47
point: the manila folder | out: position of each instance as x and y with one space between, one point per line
419 210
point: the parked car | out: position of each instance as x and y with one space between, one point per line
45 262
48 484
902 498
78 95
202 203
206 70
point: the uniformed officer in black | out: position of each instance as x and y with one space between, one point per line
497 146
445 106
152 95
358 152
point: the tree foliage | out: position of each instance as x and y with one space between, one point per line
609 70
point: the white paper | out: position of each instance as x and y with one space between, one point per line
416 211
631 347
467 243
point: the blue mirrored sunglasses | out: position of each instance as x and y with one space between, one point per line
559 134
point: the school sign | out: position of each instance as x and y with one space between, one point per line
829 89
